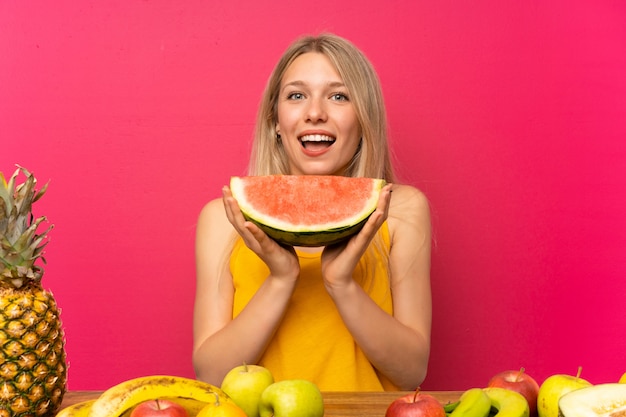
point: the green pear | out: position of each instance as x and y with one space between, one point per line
553 388
244 384
292 397
597 400
508 403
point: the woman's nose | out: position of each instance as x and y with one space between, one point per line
316 111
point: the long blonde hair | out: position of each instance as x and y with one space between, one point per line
373 159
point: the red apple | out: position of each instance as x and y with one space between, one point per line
159 408
521 382
415 405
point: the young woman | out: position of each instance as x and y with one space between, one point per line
354 316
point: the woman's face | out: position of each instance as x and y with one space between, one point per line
317 122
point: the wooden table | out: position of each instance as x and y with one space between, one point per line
336 404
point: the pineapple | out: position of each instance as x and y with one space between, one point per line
33 368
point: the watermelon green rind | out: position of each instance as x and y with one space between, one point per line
322 238
317 234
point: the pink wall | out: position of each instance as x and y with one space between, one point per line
511 116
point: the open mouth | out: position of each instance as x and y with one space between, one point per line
316 142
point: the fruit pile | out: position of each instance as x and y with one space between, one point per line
517 394
247 391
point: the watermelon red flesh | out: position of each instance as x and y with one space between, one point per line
307 210
308 203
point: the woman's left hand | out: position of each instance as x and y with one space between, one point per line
340 260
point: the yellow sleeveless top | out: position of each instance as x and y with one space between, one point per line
312 342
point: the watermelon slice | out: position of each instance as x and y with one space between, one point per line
307 210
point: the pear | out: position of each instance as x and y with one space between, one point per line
598 400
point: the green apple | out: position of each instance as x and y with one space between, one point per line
292 397
622 380
244 384
553 388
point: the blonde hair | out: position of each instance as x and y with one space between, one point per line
373 158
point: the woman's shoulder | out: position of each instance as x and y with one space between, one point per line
406 199
213 207
213 210
409 212
213 218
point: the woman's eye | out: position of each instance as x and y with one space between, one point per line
295 96
340 97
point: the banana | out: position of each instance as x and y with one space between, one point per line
473 403
192 405
120 398
508 403
80 409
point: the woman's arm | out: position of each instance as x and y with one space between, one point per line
397 346
221 342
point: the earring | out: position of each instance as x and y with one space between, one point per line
278 138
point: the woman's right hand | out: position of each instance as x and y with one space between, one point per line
281 260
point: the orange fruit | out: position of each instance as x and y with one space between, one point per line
221 409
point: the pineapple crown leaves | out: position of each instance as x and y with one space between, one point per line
20 245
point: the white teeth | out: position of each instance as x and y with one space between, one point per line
316 138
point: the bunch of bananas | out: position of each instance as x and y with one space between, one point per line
486 402
120 399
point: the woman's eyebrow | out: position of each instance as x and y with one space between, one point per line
300 83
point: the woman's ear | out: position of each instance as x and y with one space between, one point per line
278 138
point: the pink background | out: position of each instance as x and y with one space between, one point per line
510 116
